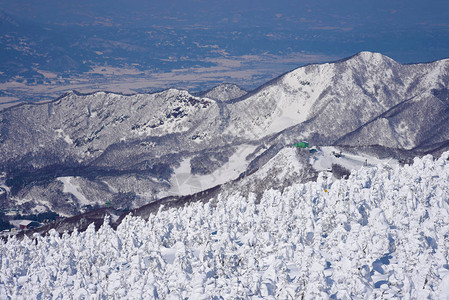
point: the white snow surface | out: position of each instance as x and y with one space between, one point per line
282 164
324 158
185 183
225 92
74 189
381 234
64 136
285 104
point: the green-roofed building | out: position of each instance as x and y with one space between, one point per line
301 145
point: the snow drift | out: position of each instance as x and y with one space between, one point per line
382 233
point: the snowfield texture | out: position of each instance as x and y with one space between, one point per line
125 149
224 92
381 234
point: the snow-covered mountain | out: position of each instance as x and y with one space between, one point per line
224 92
128 150
383 233
329 100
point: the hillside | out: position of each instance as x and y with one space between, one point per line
86 150
382 233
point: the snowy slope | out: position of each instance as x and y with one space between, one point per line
336 98
85 125
419 121
383 233
224 92
183 182
73 188
324 158
128 149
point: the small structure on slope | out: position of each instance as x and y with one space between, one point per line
337 154
301 145
28 224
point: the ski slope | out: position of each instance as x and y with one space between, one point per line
183 182
324 158
72 188
381 234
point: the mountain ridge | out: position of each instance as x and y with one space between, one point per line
133 149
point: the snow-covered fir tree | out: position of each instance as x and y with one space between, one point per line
383 233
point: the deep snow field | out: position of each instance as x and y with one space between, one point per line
381 234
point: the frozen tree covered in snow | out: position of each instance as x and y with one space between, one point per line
382 233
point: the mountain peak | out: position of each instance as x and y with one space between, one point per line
369 54
146 146
371 57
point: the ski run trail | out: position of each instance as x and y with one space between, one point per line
381 234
